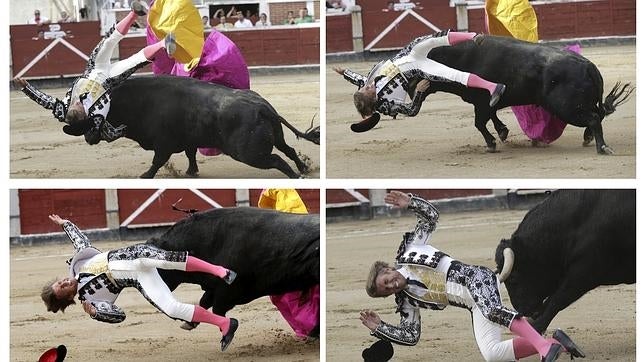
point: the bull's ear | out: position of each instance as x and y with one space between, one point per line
366 124
73 131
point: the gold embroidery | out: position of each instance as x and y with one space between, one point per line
389 70
92 87
435 282
98 265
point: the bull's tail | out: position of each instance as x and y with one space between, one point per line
311 134
618 95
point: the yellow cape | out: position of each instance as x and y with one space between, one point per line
287 200
514 18
183 19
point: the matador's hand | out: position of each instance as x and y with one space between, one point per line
20 83
57 219
370 319
339 70
89 309
398 199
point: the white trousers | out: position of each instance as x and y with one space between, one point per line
488 338
417 59
144 270
104 69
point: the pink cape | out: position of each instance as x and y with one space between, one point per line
537 123
221 63
300 309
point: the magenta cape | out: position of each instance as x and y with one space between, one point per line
221 63
537 123
300 309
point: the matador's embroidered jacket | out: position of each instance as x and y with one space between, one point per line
435 280
95 284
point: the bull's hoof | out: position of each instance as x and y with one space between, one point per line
188 326
192 173
491 149
587 142
503 134
228 338
605 150
147 175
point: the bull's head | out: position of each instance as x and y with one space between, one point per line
521 279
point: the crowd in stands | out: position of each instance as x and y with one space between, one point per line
247 19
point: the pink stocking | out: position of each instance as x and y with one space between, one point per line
523 348
124 25
197 265
202 315
456 37
152 49
522 328
474 81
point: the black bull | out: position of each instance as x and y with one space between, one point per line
271 251
571 243
564 83
177 114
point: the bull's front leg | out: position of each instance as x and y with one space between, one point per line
500 127
193 169
160 158
481 117
571 289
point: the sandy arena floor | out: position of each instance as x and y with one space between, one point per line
602 322
146 334
40 149
442 142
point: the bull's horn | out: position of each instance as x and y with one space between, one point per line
508 262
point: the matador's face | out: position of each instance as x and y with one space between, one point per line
389 282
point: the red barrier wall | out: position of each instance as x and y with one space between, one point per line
85 207
60 60
339 37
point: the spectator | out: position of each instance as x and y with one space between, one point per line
263 21
304 17
37 19
242 22
290 18
336 4
65 18
223 23
205 21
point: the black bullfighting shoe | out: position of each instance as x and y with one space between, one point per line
553 353
225 340
140 8
170 44
230 277
496 95
568 344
